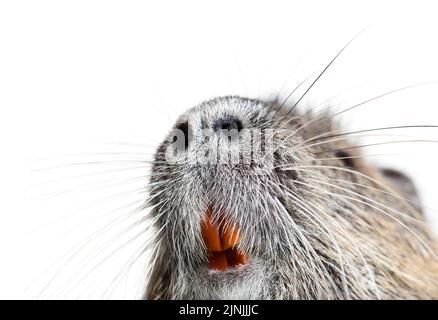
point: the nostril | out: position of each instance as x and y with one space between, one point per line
227 124
184 127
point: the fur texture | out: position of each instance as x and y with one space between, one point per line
319 223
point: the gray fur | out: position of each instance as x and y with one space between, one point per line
314 226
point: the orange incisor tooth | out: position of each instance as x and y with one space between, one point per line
236 257
211 234
218 260
221 240
230 237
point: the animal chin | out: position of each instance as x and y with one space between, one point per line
221 240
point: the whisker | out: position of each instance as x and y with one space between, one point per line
291 93
367 177
343 230
143 250
292 72
322 72
74 251
97 173
392 194
385 94
90 163
91 204
92 154
307 247
104 245
425 245
90 186
322 137
329 233
378 144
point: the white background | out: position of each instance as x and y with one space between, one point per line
78 76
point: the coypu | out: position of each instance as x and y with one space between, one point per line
307 217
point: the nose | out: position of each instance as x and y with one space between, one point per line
227 123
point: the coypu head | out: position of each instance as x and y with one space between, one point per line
250 200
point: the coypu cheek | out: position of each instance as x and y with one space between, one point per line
221 240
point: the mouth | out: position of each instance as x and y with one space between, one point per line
221 238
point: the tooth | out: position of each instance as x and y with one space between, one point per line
210 233
218 260
231 237
221 239
236 257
